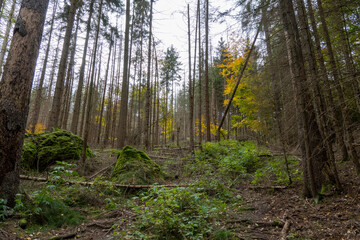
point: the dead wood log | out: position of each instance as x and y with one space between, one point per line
41 179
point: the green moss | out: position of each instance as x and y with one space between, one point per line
47 148
135 167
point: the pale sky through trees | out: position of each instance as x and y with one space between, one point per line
170 24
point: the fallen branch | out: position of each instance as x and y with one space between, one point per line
101 171
268 187
286 227
41 179
66 236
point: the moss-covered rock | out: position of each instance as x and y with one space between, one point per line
135 167
44 149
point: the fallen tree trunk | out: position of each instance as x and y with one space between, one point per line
42 179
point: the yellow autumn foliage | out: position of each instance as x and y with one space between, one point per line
245 99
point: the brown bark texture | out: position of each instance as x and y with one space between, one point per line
15 89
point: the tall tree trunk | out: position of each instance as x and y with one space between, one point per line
15 92
51 81
89 102
86 95
276 90
318 99
69 78
148 90
115 126
335 119
104 93
206 77
351 73
6 36
313 153
59 89
77 104
191 96
336 75
157 130
37 102
108 119
200 75
125 83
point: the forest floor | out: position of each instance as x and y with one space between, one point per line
263 211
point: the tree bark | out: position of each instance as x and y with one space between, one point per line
333 109
37 102
200 76
59 89
89 102
207 97
69 79
15 92
318 98
77 104
104 93
125 83
313 153
336 75
191 97
148 89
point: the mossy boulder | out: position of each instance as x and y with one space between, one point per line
44 149
135 167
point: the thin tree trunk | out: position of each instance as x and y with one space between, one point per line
78 97
349 64
84 105
200 75
148 90
15 92
125 83
191 97
333 109
110 101
207 97
89 102
313 152
69 78
334 71
104 92
52 75
6 36
59 89
37 102
276 90
115 127
319 103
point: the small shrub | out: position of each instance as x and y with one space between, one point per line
274 170
214 188
53 212
177 213
4 209
223 234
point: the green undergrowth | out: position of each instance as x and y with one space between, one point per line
175 213
135 167
273 170
42 150
232 161
56 204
